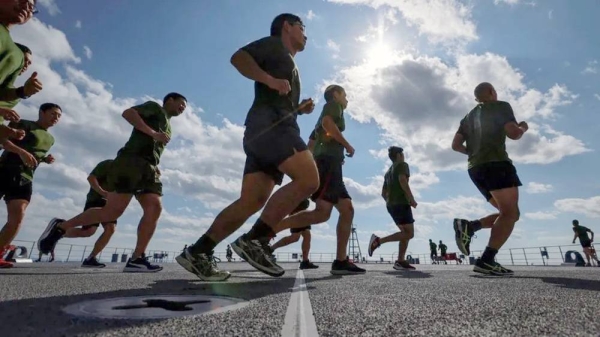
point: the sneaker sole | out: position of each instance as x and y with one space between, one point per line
373 237
403 269
141 270
241 253
187 265
490 273
46 232
92 267
347 272
458 237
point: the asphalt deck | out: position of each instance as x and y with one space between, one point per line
436 300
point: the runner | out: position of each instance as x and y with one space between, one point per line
273 147
484 129
134 172
443 249
18 163
96 198
581 232
433 252
399 200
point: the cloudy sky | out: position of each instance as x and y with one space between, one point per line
409 67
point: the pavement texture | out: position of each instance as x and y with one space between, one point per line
446 300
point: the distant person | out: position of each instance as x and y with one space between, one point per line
433 251
229 253
581 232
443 248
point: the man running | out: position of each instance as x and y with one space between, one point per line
443 249
295 234
433 251
18 163
581 232
273 147
134 172
399 200
484 129
96 198
329 156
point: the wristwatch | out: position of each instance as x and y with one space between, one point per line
21 93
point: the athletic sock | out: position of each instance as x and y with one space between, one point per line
474 226
204 245
489 254
260 231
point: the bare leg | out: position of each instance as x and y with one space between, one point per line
78 232
116 204
109 230
152 207
16 213
306 237
286 241
344 227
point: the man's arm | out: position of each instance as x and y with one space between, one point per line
574 237
405 187
95 185
333 131
513 130
589 230
247 66
384 192
133 117
458 143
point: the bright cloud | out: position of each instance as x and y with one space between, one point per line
536 188
88 52
541 215
310 15
50 6
589 207
78 24
591 68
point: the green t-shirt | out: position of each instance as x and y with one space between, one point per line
443 248
483 131
142 145
37 141
101 173
582 233
275 59
325 145
433 247
391 183
11 63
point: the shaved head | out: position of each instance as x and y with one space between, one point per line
485 92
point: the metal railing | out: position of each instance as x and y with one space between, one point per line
552 255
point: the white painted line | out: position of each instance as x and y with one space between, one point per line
299 318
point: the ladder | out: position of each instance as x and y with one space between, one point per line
355 254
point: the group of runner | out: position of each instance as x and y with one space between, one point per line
273 148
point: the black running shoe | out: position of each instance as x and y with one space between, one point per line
345 268
50 236
308 265
403 265
491 268
463 234
253 252
202 265
92 262
141 265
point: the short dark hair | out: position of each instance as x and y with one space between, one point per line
24 48
173 95
575 222
48 106
393 152
330 90
277 24
482 89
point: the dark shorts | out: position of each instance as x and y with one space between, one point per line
134 175
586 243
494 176
331 180
443 254
433 253
94 204
298 230
267 146
402 214
302 206
13 186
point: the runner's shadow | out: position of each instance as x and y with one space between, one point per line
408 274
569 283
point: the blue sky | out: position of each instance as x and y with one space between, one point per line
409 68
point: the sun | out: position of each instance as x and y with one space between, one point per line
380 55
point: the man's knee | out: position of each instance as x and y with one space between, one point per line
513 214
152 206
322 214
109 229
253 203
294 237
346 208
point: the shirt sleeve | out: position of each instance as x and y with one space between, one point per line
260 49
462 128
313 134
506 114
333 110
148 109
100 169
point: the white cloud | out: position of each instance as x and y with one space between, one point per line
88 52
589 207
536 188
418 101
310 15
78 24
551 14
46 42
592 68
442 21
510 2
334 48
541 215
597 96
50 6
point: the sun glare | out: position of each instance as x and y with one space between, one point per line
380 55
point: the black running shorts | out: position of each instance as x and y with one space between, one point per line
586 243
298 230
401 213
268 143
331 180
494 176
13 186
94 204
